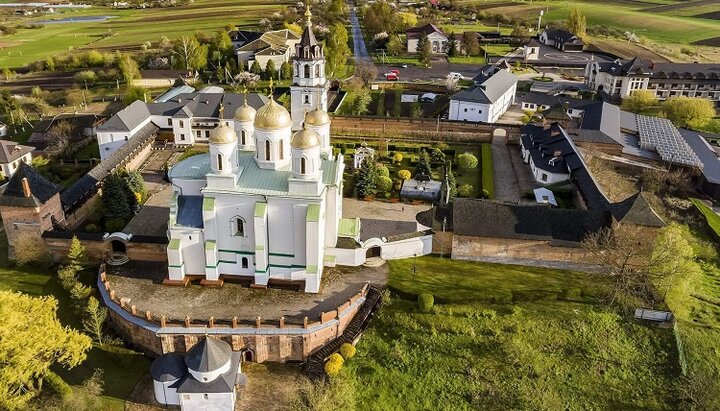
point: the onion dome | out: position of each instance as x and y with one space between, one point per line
305 139
244 113
272 116
317 117
222 135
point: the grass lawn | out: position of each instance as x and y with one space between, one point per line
467 60
497 49
533 351
712 218
122 368
89 151
396 60
488 175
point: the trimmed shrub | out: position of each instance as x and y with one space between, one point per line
425 302
465 190
58 385
334 364
383 171
347 351
404 174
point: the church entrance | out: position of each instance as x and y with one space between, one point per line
117 250
248 355
118 247
373 252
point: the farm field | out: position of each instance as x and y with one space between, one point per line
508 337
683 22
127 29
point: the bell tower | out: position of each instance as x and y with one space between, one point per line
309 86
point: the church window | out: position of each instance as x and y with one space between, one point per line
307 71
282 150
182 123
182 136
267 150
244 262
317 70
242 137
238 226
302 165
219 161
306 98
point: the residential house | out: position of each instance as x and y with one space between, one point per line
12 155
485 102
276 45
562 40
437 38
620 78
550 152
531 51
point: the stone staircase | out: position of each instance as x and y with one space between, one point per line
314 366
117 259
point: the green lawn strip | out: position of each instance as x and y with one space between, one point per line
487 169
89 151
122 368
712 218
467 60
544 354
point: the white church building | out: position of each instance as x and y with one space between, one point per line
268 206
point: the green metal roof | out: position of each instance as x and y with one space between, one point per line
349 227
209 204
193 168
313 213
174 244
260 209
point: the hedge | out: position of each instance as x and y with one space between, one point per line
487 169
712 219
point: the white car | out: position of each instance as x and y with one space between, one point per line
455 75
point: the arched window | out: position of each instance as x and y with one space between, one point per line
302 165
295 69
282 150
244 262
243 133
220 161
238 227
267 150
307 71
317 70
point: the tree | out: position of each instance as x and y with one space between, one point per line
128 68
87 77
133 94
576 23
270 70
424 50
437 155
384 184
366 178
691 112
255 68
286 71
33 340
116 201
76 254
94 319
416 111
381 16
639 101
467 162
247 79
519 31
470 43
452 46
404 174
336 48
61 135
423 166
395 46
361 102
366 72
465 190
451 181
190 54
347 350
10 107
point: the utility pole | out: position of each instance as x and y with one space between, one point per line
540 20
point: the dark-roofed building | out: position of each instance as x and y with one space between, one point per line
620 78
437 38
29 205
550 152
81 126
636 210
710 178
206 378
561 40
12 155
487 101
275 45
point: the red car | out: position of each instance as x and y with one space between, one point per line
391 77
395 71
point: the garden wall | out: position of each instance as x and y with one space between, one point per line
275 342
493 249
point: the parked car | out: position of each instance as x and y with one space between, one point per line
391 77
456 75
396 71
404 66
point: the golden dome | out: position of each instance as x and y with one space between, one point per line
272 116
222 135
244 113
317 117
305 139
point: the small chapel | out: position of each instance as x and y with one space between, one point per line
265 204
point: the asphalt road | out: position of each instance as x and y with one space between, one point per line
359 50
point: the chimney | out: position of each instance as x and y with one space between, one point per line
26 187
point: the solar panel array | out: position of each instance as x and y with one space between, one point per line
659 134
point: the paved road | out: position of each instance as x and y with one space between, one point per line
359 50
512 177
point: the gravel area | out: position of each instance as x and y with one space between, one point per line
378 210
141 282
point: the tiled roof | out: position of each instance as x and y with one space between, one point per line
41 190
636 210
208 355
490 90
662 70
417 32
11 151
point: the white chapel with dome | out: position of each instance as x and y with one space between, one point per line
265 203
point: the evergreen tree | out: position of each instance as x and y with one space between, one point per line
452 45
286 71
452 183
76 254
423 166
424 50
366 185
576 23
115 198
255 68
94 320
270 70
336 48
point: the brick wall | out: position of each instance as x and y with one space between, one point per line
97 250
30 220
467 247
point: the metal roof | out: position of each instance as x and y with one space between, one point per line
490 90
659 134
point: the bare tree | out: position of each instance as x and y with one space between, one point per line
366 72
60 134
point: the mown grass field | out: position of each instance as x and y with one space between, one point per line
127 29
122 368
508 337
665 21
